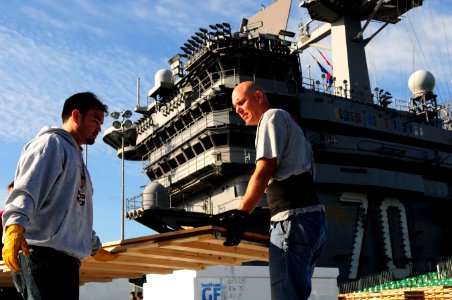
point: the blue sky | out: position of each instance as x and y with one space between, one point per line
50 50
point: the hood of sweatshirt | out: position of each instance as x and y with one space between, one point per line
60 131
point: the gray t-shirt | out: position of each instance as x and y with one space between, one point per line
279 136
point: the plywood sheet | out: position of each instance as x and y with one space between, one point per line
191 249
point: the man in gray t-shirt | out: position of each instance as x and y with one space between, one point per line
284 167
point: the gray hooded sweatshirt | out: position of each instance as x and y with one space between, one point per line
52 195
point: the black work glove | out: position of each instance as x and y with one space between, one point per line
235 225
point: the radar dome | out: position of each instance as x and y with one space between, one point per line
421 82
155 195
163 84
163 76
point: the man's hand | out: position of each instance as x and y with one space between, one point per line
104 255
235 225
14 241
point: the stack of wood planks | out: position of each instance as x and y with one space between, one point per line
191 249
420 293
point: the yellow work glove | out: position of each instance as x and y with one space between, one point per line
14 241
104 255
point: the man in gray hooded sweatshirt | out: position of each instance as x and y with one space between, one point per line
48 217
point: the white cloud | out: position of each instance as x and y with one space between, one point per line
43 17
36 78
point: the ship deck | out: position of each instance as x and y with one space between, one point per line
191 249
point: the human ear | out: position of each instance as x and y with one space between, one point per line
259 96
76 115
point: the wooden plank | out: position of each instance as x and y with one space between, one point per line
86 279
206 258
144 260
6 284
107 267
244 244
106 273
220 250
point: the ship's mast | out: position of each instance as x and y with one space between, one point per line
343 22
349 59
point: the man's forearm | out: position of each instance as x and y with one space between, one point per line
257 184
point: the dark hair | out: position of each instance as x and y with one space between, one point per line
10 186
82 102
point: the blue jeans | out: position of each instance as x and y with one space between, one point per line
47 274
295 246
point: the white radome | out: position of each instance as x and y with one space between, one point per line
421 81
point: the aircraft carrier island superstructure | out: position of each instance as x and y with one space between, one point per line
384 173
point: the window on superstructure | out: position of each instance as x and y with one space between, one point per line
150 144
186 119
207 142
221 102
241 139
198 148
158 172
178 124
220 139
173 163
171 130
205 107
196 113
189 152
180 158
215 76
165 167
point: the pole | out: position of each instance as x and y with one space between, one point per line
122 197
126 123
